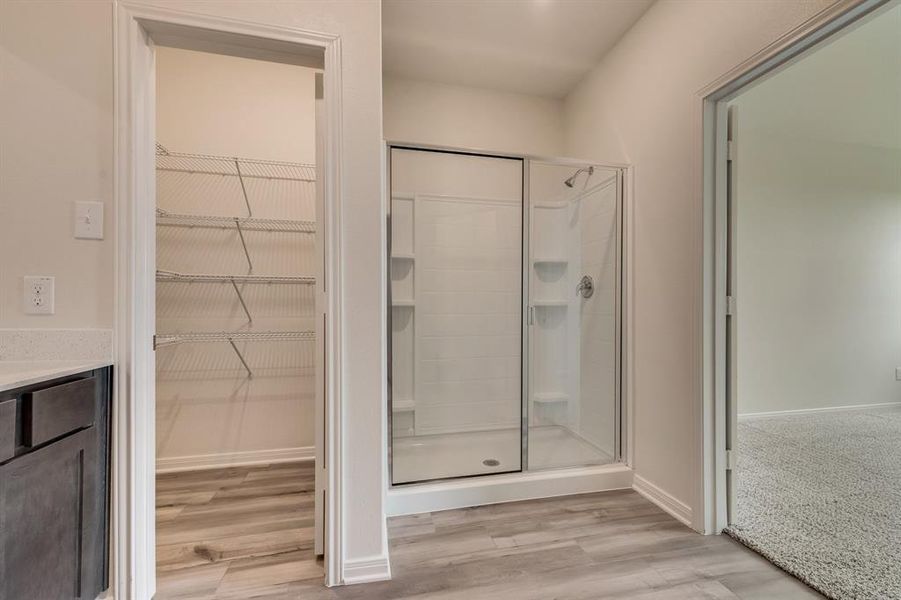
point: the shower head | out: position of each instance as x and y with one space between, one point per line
572 180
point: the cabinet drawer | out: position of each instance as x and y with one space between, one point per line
55 411
7 429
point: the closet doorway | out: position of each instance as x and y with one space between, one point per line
239 271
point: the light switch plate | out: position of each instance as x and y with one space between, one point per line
38 295
89 220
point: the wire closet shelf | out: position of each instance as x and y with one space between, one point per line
187 337
233 166
172 276
172 339
167 219
242 168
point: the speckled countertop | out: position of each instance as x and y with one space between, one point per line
19 373
30 356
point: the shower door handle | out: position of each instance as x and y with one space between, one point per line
585 287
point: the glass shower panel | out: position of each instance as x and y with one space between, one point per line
456 314
573 325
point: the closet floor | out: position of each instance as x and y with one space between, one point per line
235 533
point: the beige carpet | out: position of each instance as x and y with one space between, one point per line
819 495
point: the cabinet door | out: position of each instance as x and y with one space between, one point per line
48 523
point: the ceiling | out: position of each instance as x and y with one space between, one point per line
540 47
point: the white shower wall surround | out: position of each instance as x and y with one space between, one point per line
467 336
456 271
574 340
463 276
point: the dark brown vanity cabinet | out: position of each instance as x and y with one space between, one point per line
54 489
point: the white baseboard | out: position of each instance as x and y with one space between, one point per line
366 570
201 462
677 509
493 489
802 411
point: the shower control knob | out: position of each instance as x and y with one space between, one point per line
585 287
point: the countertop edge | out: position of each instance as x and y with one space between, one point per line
15 374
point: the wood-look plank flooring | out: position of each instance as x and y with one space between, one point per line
243 532
612 545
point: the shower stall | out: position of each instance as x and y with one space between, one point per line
505 312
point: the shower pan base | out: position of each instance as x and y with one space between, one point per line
550 448
428 457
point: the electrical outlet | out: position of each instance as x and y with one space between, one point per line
38 295
89 220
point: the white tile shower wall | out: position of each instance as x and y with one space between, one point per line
573 345
403 317
206 405
555 361
554 335
468 255
463 261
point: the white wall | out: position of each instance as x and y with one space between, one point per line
451 115
818 250
208 411
57 146
56 132
224 105
640 106
818 237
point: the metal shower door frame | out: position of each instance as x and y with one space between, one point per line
621 438
620 453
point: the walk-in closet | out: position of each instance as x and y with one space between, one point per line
236 305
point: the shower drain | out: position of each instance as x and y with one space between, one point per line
491 462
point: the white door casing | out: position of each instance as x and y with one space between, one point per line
133 464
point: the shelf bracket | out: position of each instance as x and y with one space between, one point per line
241 358
243 189
241 299
244 244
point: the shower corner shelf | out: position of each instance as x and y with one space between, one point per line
549 398
550 303
550 261
403 256
407 302
400 406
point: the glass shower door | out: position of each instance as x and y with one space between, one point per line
456 314
574 305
